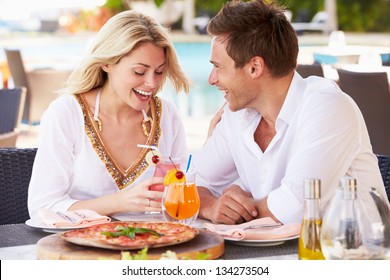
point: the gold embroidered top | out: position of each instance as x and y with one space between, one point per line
122 177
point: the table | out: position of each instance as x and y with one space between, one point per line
348 54
17 242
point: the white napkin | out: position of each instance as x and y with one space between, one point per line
239 232
69 219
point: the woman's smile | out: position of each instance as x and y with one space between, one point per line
142 95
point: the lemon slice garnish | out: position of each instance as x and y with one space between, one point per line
171 177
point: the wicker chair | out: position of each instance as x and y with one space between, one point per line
11 110
15 172
41 85
306 70
384 166
370 90
18 73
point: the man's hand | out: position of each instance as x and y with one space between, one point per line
234 206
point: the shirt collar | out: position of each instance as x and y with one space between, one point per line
290 104
247 117
293 98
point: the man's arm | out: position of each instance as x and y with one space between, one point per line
232 207
263 211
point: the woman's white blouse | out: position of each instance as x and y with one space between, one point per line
67 167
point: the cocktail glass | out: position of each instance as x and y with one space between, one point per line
181 201
162 167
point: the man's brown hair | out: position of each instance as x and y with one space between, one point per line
257 28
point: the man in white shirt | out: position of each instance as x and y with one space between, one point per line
277 128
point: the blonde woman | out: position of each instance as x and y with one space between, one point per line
88 155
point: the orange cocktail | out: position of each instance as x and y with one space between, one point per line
181 201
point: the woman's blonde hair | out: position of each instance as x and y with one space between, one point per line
116 39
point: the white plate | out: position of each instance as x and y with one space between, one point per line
259 243
37 223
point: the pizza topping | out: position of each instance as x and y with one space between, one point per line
129 232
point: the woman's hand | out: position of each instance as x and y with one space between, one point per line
134 199
139 198
215 120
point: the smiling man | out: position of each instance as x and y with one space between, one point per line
277 128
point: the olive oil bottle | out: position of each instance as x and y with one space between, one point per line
309 244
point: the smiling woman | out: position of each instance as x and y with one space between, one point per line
89 137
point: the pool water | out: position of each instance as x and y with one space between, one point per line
203 99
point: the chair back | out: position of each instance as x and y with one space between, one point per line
306 70
11 111
41 85
370 90
11 108
15 173
19 76
384 166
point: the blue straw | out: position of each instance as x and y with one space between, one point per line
188 163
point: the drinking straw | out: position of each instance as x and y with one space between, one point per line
146 146
188 163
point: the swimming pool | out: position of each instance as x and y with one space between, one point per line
203 98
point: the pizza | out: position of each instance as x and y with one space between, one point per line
131 235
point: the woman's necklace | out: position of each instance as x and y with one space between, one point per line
99 122
96 113
144 121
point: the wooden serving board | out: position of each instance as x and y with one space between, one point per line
53 247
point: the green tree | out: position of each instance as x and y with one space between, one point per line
361 15
116 5
211 7
353 15
158 2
